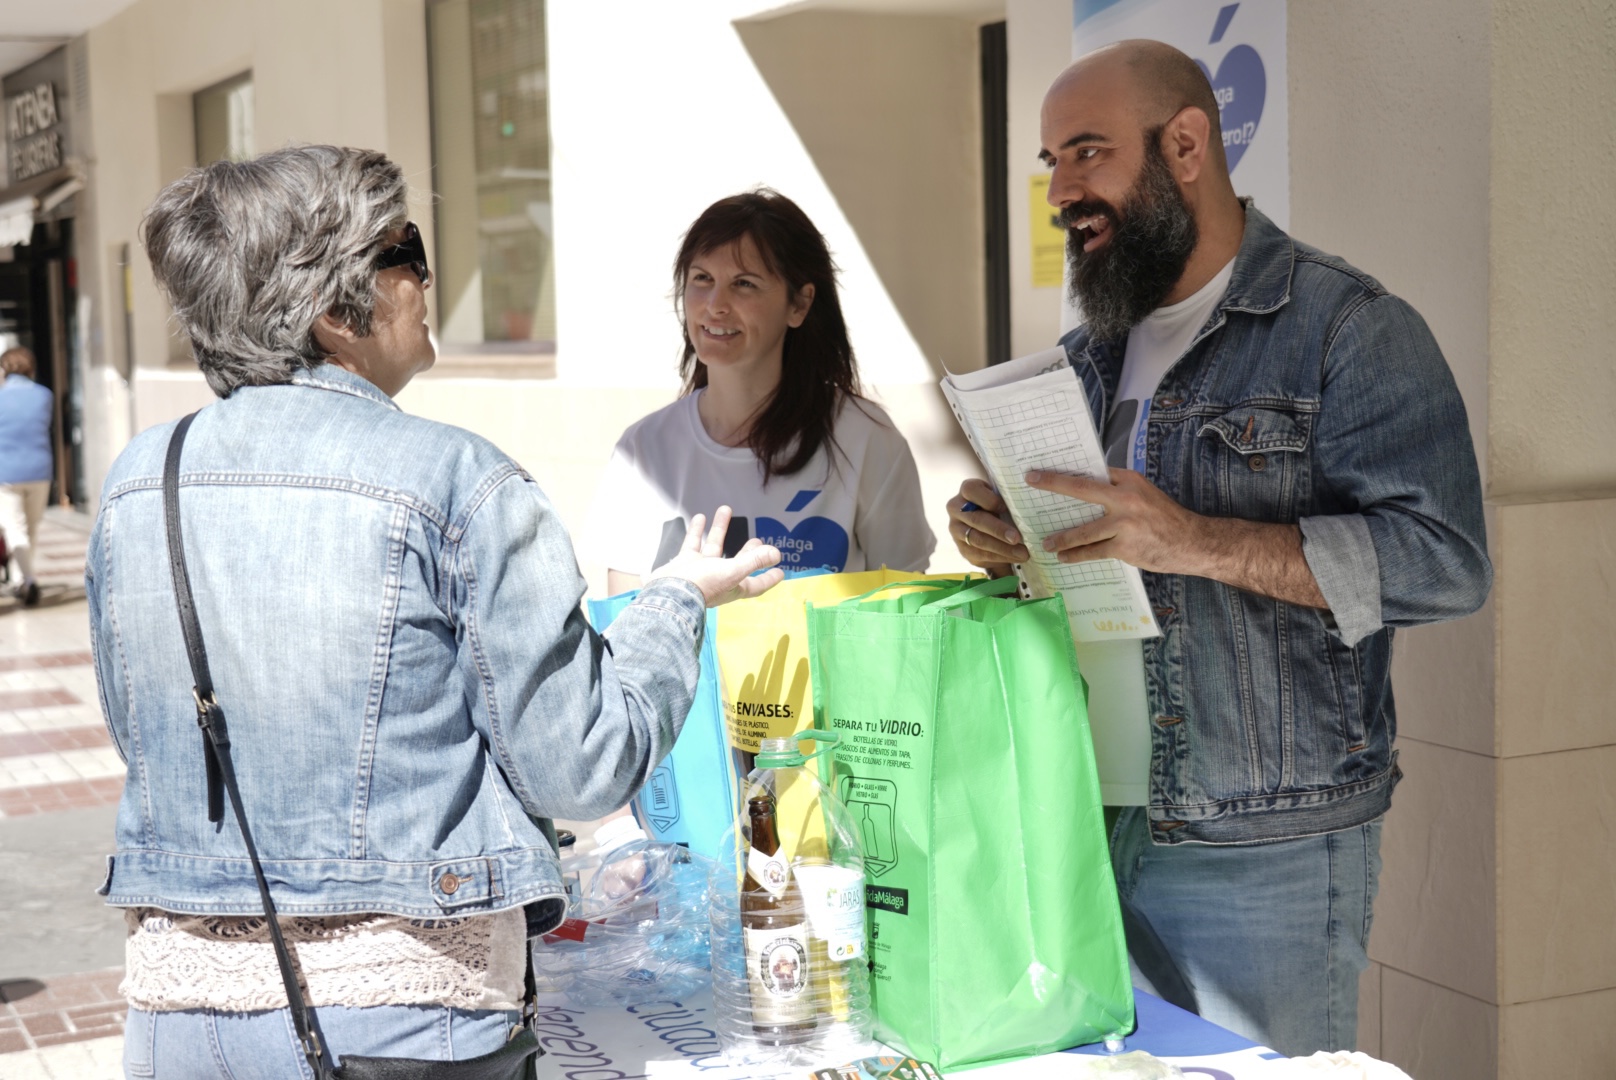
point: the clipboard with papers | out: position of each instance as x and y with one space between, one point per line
1031 413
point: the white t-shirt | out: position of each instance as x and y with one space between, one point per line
854 507
1119 711
1154 346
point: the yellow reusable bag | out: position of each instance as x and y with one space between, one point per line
763 653
763 675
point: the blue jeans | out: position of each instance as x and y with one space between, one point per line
207 1044
1270 937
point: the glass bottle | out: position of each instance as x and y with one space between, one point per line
775 930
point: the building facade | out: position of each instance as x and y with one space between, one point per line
1462 153
41 207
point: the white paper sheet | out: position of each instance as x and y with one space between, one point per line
1031 414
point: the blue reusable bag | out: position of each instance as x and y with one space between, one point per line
690 797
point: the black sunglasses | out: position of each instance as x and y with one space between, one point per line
410 252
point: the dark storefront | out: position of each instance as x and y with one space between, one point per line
38 269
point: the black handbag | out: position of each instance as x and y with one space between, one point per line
516 1060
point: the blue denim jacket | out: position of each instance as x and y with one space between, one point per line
1311 396
390 607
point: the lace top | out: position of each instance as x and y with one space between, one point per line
213 962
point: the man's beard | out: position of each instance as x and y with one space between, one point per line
1129 275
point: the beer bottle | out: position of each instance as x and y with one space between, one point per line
775 926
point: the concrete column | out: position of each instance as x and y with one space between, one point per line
1449 149
1552 459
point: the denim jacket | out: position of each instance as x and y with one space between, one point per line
390 607
1310 396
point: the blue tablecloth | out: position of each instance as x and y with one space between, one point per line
1168 1031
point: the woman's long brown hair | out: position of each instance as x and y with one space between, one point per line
818 370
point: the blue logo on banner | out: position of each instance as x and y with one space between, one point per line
1225 17
1241 87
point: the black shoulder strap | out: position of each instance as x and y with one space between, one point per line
216 743
200 675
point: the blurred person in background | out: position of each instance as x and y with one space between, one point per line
391 609
770 420
25 463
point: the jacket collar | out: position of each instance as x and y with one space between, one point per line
342 381
1261 282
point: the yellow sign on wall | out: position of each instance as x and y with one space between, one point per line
1048 238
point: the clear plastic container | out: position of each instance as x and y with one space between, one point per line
790 961
580 861
637 923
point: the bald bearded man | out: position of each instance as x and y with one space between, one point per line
1292 467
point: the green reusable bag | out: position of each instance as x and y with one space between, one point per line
965 757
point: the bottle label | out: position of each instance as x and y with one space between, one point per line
770 871
777 970
834 898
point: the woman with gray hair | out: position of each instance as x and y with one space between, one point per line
390 610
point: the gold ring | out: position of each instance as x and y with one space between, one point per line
968 536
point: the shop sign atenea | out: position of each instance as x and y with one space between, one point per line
32 132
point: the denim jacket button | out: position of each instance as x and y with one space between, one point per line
449 884
1257 462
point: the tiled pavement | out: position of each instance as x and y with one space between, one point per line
66 1008
60 1013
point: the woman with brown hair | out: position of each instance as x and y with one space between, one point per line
770 420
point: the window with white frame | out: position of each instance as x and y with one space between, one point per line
491 172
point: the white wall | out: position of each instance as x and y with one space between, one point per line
1553 256
332 84
657 110
644 138
889 109
1039 41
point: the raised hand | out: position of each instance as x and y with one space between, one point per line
701 562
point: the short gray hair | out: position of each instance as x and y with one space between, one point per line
250 254
17 360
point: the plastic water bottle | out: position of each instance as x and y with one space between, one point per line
579 862
790 965
636 926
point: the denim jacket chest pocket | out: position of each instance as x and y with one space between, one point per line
1256 455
